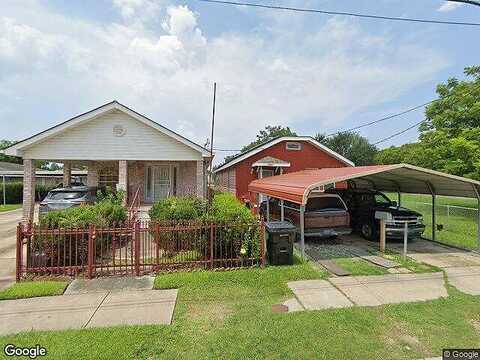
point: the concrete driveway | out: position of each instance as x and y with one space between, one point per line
8 226
461 266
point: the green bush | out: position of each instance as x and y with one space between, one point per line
178 209
14 192
103 214
227 208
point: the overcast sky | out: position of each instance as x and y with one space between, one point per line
314 73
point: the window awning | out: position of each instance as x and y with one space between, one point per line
405 178
269 161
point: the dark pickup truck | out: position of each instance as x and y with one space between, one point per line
362 205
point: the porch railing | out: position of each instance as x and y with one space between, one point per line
137 248
134 207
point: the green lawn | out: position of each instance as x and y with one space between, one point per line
227 315
357 266
459 225
9 207
441 200
28 289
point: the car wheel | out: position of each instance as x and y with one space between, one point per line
368 231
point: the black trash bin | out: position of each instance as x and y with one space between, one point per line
280 237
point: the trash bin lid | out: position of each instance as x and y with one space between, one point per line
279 226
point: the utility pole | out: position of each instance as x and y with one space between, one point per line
211 142
470 2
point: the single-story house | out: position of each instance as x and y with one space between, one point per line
281 155
121 148
11 172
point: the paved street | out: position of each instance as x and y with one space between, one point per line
8 223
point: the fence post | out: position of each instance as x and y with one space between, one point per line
262 241
137 247
91 246
19 252
212 237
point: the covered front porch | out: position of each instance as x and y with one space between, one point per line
121 149
153 180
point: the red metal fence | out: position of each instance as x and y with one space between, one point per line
138 248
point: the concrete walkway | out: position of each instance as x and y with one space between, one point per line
392 288
465 279
8 225
340 292
87 310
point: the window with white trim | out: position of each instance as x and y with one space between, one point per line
290 145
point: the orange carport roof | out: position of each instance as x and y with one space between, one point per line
406 178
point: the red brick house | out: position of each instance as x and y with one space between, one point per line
278 156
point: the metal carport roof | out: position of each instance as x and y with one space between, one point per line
402 178
405 178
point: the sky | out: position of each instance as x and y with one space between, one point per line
314 73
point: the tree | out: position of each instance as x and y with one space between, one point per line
449 138
407 153
350 145
7 158
451 133
269 133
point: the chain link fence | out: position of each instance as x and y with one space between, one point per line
456 225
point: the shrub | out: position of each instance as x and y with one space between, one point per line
178 209
104 213
14 192
57 249
227 208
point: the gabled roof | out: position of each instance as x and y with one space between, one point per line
296 186
16 149
277 140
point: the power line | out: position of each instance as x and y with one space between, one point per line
384 118
325 12
398 133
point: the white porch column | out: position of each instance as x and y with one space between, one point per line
28 190
123 178
92 175
200 180
67 174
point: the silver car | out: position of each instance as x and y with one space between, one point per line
64 198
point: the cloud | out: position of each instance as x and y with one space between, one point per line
449 6
282 74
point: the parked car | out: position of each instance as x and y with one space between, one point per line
363 204
63 198
326 215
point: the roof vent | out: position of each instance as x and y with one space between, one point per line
293 145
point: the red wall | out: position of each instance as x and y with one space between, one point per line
309 157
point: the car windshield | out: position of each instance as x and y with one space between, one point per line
381 199
373 200
325 203
66 195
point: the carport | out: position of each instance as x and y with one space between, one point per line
400 178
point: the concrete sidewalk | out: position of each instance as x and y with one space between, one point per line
87 310
340 292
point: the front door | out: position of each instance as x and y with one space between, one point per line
158 184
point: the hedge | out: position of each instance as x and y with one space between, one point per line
14 192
